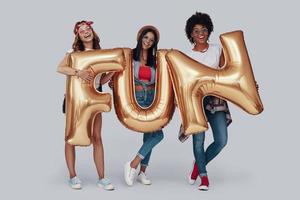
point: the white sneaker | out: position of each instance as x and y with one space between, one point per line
143 179
75 183
105 184
129 174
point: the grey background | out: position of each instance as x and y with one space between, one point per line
261 159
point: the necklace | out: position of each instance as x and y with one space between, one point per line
203 50
143 58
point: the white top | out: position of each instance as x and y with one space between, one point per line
71 50
210 58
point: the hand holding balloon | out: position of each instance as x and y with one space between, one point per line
85 74
192 81
83 101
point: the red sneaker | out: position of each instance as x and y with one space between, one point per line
204 183
193 174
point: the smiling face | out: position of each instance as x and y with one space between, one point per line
200 34
85 33
148 40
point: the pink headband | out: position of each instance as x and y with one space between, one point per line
78 25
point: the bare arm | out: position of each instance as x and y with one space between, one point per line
222 60
65 69
106 77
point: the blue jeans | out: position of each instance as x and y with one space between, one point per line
151 139
218 125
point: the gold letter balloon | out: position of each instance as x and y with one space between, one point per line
83 102
192 81
134 117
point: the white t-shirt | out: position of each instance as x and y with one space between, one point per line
71 50
210 58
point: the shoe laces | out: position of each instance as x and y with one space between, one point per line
132 173
75 180
104 181
143 175
204 180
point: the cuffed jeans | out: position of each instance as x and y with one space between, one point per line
218 125
151 139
